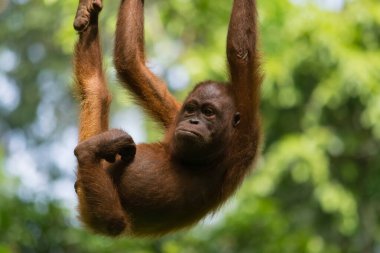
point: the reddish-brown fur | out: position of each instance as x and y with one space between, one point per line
152 189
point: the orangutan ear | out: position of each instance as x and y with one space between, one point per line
236 119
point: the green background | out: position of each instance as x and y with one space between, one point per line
316 187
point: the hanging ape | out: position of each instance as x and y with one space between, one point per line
210 141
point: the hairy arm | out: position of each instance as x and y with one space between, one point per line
245 77
91 86
129 59
243 58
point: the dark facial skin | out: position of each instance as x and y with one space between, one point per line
204 123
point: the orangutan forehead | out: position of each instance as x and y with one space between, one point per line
209 91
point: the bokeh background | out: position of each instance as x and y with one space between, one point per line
316 187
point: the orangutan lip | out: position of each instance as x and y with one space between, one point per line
188 132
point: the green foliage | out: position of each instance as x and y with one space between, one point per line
316 187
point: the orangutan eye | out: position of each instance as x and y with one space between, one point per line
208 112
190 108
